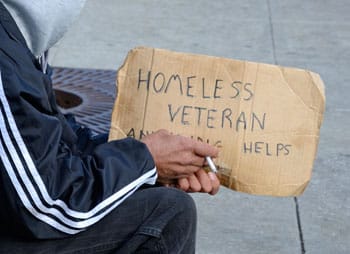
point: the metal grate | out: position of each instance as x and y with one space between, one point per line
96 89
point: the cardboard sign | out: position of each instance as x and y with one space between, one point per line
264 118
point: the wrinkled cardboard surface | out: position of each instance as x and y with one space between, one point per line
265 118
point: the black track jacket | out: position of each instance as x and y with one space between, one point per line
50 185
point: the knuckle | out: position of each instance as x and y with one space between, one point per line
186 159
184 185
186 143
207 188
196 187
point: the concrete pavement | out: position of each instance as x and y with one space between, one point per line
308 34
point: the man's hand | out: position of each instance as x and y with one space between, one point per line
182 158
201 181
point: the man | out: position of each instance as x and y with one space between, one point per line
64 191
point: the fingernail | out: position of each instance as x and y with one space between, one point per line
212 176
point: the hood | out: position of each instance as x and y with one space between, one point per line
43 22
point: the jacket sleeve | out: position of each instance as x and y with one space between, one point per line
49 186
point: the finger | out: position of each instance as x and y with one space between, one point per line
186 170
192 159
176 171
215 183
183 184
204 149
204 180
195 185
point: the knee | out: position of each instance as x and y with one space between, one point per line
170 215
189 206
173 204
182 203
180 232
184 214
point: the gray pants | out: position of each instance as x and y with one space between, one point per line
152 220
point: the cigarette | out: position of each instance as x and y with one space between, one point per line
211 164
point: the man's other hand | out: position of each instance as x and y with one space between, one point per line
182 159
201 181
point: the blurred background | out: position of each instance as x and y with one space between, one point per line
313 34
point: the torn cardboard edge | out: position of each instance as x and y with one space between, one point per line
264 118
